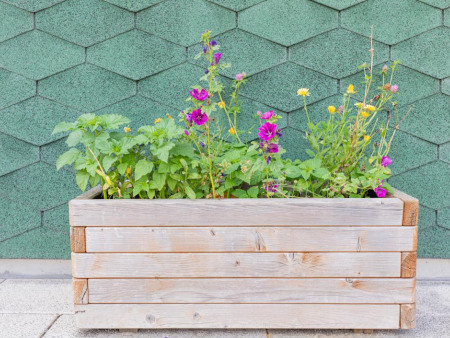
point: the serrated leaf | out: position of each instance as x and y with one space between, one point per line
62 127
122 168
67 158
158 181
232 168
108 161
82 178
172 183
239 193
113 121
253 192
139 185
74 138
183 149
189 192
293 171
162 152
143 167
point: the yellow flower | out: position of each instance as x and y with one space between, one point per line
351 89
170 117
126 129
365 114
369 107
358 104
331 109
232 131
157 120
221 104
366 138
303 92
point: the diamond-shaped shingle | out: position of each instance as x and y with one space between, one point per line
84 22
33 120
429 119
39 186
443 218
446 86
444 152
442 4
427 217
288 22
340 4
235 48
140 110
429 183
51 151
337 53
295 144
16 218
434 242
183 21
412 85
392 21
13 21
427 52
37 54
134 5
14 88
237 5
87 87
33 5
136 54
15 154
277 87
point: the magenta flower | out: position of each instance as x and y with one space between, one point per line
217 57
385 161
199 95
394 88
267 131
273 148
380 191
341 109
265 116
186 132
188 117
271 187
198 117
240 76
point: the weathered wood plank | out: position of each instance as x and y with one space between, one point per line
78 239
80 291
235 212
409 262
408 316
90 194
410 208
252 290
173 265
247 239
246 316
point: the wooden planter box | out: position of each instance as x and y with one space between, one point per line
244 263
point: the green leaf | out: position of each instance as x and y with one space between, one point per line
189 192
162 152
322 173
74 138
158 181
139 185
67 158
171 183
143 167
122 168
293 171
183 149
253 192
232 168
164 168
82 178
239 193
113 121
63 127
108 161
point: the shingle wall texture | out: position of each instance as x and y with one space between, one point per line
61 58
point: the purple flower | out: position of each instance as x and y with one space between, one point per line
198 117
385 161
186 132
268 160
271 187
240 76
217 57
202 144
265 116
206 71
394 88
279 133
341 108
199 95
188 117
273 148
204 50
267 131
213 43
380 191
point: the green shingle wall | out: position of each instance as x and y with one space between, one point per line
61 58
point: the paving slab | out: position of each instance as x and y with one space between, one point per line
45 296
21 325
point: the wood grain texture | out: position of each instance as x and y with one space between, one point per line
77 239
253 290
173 265
247 239
410 208
80 291
408 316
237 212
409 263
231 316
90 194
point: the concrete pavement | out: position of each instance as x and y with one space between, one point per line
32 308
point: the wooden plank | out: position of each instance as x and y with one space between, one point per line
91 194
173 265
410 208
409 262
231 316
408 316
247 239
235 212
252 290
80 291
77 239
